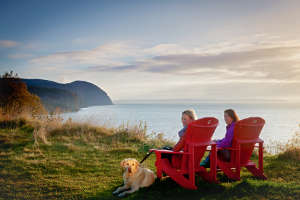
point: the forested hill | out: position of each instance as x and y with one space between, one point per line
69 96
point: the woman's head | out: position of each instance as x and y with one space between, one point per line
188 116
230 116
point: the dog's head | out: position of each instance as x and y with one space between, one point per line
130 164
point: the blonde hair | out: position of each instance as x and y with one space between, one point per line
191 113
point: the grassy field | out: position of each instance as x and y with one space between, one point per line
79 161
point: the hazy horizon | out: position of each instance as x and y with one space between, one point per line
199 101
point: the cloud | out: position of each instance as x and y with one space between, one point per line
265 64
276 63
113 68
8 43
20 55
108 54
262 59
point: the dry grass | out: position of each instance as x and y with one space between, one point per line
291 154
50 128
289 150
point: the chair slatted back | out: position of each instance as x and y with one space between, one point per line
199 134
246 131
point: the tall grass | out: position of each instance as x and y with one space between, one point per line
291 150
48 128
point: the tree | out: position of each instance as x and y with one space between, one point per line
10 75
16 99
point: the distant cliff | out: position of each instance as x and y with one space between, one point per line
69 96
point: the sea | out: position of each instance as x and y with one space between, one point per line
282 119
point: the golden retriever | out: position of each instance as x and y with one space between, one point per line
134 176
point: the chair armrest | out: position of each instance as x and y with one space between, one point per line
167 151
229 148
258 140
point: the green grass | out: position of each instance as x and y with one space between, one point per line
83 162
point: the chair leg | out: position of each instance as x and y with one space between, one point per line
260 158
213 164
192 167
159 172
227 171
158 165
238 173
179 178
256 172
238 163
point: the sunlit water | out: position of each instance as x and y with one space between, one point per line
282 120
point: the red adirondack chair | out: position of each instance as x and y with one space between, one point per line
246 136
198 138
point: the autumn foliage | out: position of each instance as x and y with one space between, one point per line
15 99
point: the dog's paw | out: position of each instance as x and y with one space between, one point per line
123 194
115 192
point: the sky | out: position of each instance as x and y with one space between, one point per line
221 51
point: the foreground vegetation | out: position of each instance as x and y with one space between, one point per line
48 159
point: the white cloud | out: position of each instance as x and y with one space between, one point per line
20 55
107 54
8 43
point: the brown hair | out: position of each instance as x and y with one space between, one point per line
190 113
232 114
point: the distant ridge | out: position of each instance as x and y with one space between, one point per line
69 96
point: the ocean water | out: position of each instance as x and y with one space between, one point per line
282 120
